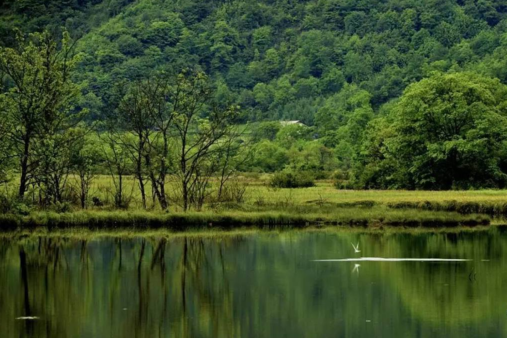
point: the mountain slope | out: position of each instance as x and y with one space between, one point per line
278 59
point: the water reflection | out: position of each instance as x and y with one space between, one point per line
264 285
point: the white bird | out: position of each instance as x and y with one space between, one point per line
356 247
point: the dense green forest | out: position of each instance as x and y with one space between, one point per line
390 94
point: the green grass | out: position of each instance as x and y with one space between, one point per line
268 208
259 193
377 216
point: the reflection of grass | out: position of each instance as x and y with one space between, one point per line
84 233
80 233
374 216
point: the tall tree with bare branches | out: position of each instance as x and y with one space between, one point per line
200 125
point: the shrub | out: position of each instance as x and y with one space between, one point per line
288 179
233 191
12 206
61 207
5 204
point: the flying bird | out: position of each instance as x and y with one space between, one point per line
356 247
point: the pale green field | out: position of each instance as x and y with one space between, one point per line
327 192
258 193
269 207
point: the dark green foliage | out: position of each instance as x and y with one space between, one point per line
9 205
277 52
289 179
489 208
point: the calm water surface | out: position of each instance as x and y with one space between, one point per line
256 285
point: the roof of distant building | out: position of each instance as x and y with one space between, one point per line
289 123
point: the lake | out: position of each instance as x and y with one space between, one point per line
264 284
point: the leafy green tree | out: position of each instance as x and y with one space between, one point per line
376 166
268 156
238 76
262 37
355 23
264 95
86 159
288 135
284 93
344 115
38 107
226 44
266 131
308 87
332 81
311 156
5 152
164 33
449 130
197 138
129 45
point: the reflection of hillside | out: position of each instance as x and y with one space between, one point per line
450 292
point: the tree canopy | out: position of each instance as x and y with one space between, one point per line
447 131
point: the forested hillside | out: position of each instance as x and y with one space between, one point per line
278 59
335 65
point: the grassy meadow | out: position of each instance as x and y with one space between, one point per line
259 193
263 206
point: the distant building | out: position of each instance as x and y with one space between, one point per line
290 123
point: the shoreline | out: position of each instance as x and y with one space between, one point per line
228 220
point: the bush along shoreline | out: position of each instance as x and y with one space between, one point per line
464 208
231 220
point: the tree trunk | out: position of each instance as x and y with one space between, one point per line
163 199
119 193
83 192
139 169
24 170
143 192
185 195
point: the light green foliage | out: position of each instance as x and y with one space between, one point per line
268 156
377 165
287 136
344 116
312 157
38 110
290 179
266 130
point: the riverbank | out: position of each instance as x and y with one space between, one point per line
265 207
362 217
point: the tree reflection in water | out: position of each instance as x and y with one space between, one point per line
263 285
